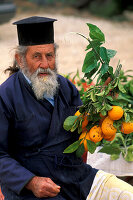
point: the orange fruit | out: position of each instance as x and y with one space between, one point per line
115 113
109 138
77 113
107 127
84 122
84 117
84 136
96 134
102 118
127 127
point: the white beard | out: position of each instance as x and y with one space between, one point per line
47 85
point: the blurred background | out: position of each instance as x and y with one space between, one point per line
113 17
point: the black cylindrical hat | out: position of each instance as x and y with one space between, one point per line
35 31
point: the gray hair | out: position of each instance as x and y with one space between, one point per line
21 50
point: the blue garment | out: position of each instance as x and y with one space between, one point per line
32 140
9 195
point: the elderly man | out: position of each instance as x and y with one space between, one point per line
34 102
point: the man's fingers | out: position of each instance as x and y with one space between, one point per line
53 184
49 194
51 191
52 187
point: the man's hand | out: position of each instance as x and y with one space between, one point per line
43 187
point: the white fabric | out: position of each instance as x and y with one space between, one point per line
102 161
108 187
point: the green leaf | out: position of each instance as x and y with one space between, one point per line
79 129
104 69
100 99
73 147
89 60
99 108
129 155
96 33
109 98
104 112
96 104
127 117
110 149
110 70
118 69
93 96
117 124
111 53
114 156
90 74
93 44
91 67
108 107
123 96
121 87
99 77
118 135
116 83
104 55
128 110
101 93
80 150
91 146
69 121
75 125
108 88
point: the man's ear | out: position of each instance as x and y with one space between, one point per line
18 59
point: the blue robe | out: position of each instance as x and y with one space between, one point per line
32 140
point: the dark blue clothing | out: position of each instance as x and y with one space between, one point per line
32 140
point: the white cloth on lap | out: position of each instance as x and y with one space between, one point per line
108 187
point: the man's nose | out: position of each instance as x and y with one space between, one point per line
44 63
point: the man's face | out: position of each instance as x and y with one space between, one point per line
39 66
40 56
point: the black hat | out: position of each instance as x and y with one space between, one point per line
35 30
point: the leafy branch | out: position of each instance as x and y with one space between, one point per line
99 99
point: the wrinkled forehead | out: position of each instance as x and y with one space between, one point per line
45 48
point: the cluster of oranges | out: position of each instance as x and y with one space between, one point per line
105 129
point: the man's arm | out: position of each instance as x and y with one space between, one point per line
14 175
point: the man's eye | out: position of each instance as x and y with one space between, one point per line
49 55
36 56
